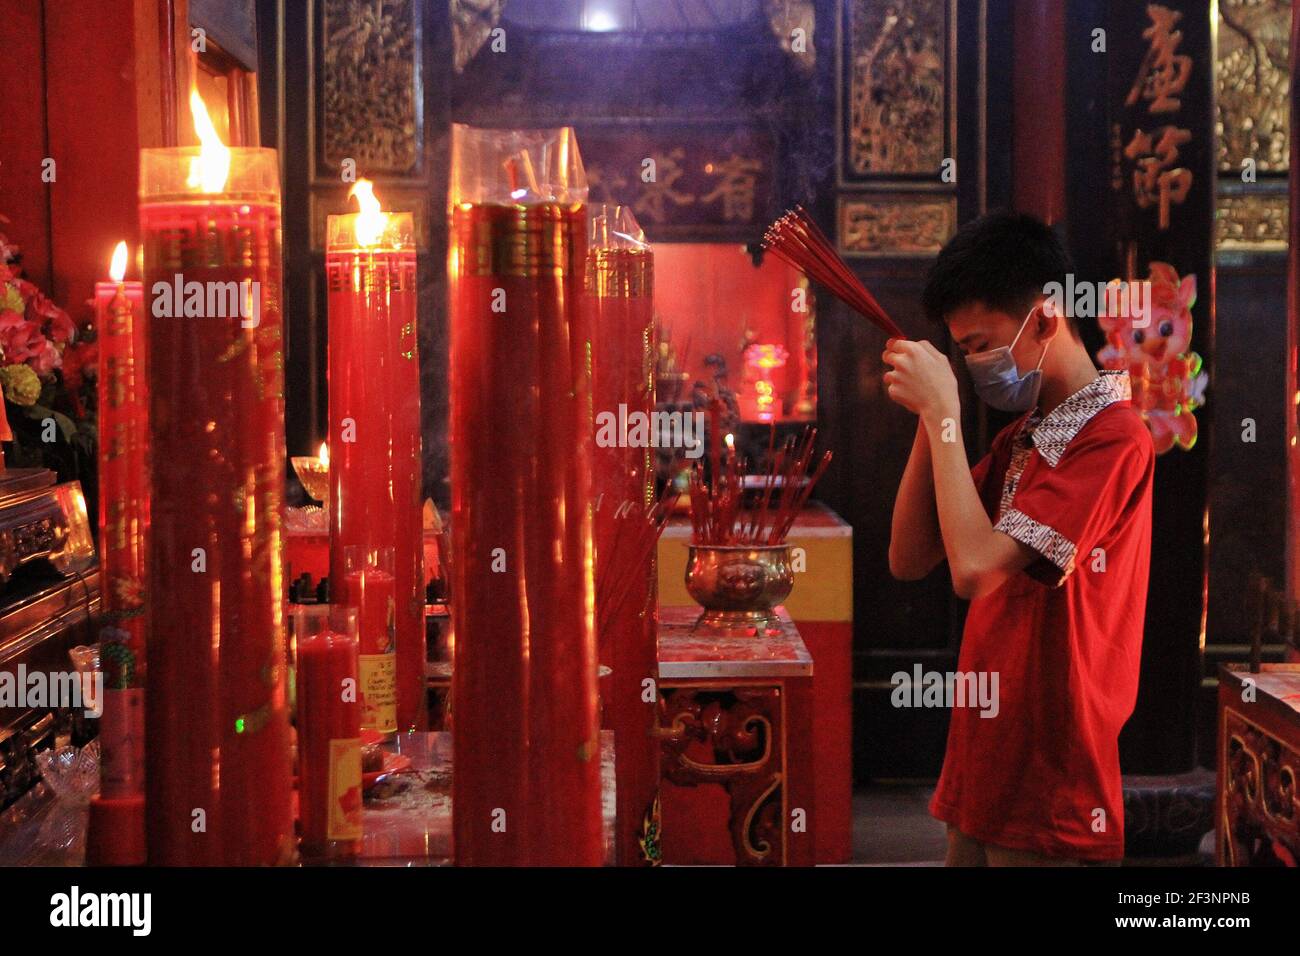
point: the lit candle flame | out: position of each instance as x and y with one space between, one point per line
371 221
324 454
117 269
209 169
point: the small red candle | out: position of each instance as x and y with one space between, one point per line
374 394
116 825
370 585
329 731
218 763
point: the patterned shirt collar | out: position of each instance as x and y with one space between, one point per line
1053 432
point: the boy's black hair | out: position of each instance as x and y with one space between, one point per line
1003 260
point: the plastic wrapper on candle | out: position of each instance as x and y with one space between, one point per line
527 785
620 288
218 764
329 731
374 399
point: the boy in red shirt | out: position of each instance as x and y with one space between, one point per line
1049 537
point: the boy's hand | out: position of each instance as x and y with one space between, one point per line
921 380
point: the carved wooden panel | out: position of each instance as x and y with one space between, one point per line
1255 221
369 105
1259 795
1252 75
896 99
707 181
1252 124
894 224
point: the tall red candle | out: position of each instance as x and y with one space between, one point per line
116 824
620 286
329 732
375 469
218 762
527 785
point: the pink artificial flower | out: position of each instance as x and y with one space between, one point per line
47 359
23 342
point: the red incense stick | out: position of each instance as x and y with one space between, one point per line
798 241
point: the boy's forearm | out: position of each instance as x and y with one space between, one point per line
977 555
914 543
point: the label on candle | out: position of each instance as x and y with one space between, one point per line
379 692
345 790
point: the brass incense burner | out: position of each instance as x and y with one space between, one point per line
738 585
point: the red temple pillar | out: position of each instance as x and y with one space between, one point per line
1038 108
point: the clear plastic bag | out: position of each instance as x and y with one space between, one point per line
516 166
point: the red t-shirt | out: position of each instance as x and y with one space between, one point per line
1064 636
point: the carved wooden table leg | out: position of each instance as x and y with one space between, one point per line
733 737
1259 766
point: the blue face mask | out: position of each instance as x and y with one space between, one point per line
997 378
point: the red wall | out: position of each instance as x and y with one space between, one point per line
708 295
69 85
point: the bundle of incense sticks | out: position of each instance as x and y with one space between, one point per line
717 518
797 240
628 554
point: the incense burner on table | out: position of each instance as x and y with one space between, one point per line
738 585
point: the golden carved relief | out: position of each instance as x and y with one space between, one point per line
472 22
1254 221
1252 75
896 225
897 86
369 85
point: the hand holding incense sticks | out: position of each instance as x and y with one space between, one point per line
718 518
797 240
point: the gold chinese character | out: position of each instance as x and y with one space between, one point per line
736 188
1157 181
1163 72
654 193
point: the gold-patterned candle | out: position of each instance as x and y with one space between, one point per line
620 294
218 765
526 790
115 831
374 403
